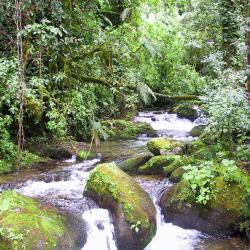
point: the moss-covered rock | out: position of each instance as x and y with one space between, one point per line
26 224
197 130
157 164
178 161
163 146
187 112
177 174
122 129
132 164
85 155
133 212
220 216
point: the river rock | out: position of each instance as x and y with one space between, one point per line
197 130
58 153
186 112
132 164
133 212
220 216
177 174
34 226
123 130
156 164
162 146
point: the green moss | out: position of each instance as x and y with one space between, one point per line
132 164
178 161
28 160
186 112
85 155
108 182
122 129
197 130
157 164
156 145
29 223
177 174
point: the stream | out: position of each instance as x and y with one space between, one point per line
62 186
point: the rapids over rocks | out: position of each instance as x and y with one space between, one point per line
63 185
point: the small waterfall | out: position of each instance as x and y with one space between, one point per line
175 238
167 125
101 230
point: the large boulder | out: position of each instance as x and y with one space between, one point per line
27 224
161 146
220 216
132 164
187 112
133 212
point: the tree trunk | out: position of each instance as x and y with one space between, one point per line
248 48
229 9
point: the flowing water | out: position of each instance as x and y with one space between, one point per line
63 185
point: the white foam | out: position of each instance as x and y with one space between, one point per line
101 230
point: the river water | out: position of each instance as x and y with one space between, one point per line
63 187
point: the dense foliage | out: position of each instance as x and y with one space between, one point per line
88 61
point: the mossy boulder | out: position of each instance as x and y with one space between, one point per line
132 210
26 224
123 130
220 216
177 161
187 112
165 146
197 130
132 164
177 174
157 164
85 155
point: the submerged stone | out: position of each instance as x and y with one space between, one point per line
133 212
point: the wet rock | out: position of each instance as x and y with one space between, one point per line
177 162
58 153
122 129
133 212
187 112
161 146
156 165
220 216
37 226
197 130
177 174
132 164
